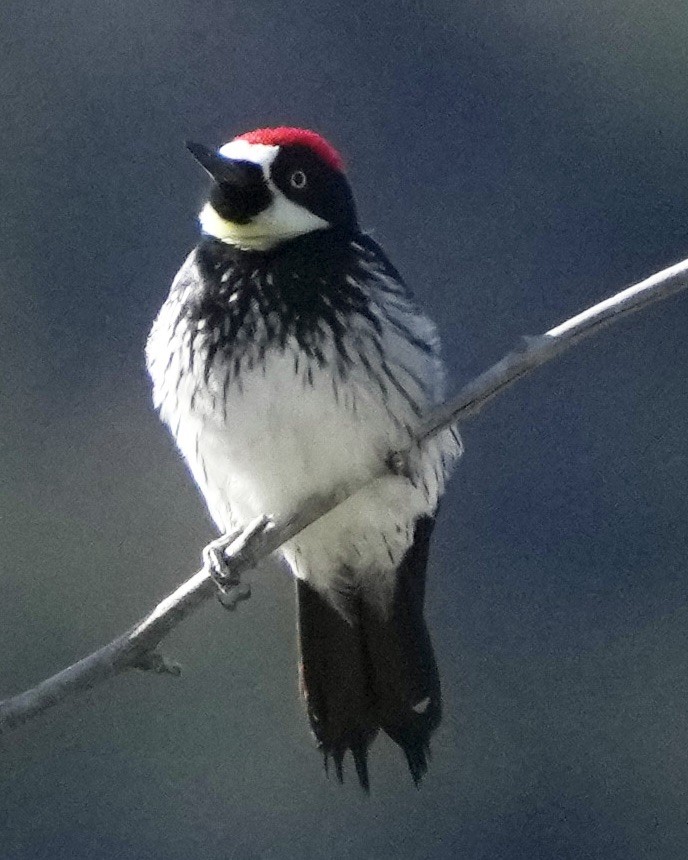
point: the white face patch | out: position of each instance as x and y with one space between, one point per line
282 219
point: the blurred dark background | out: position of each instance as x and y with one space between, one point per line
519 161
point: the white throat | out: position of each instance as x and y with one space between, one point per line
281 220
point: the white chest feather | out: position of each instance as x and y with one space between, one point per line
291 425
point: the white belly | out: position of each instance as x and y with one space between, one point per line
287 433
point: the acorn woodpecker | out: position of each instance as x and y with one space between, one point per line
289 360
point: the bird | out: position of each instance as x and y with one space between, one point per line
288 360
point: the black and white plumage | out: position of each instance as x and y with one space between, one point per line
289 359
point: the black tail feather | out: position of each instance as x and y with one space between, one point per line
370 671
359 752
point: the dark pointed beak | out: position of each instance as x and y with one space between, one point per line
224 170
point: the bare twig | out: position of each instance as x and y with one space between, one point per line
138 648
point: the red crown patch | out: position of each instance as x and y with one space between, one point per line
285 135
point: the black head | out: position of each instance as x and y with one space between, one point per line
274 185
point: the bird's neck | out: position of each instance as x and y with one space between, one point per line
319 245
291 289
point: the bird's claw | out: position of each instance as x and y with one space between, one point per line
226 577
226 572
216 564
230 597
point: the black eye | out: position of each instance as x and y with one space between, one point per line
298 179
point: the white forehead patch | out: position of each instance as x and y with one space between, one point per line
259 153
283 219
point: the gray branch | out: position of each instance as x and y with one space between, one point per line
138 647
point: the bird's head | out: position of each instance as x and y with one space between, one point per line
273 185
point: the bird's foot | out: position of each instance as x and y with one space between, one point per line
225 557
228 580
